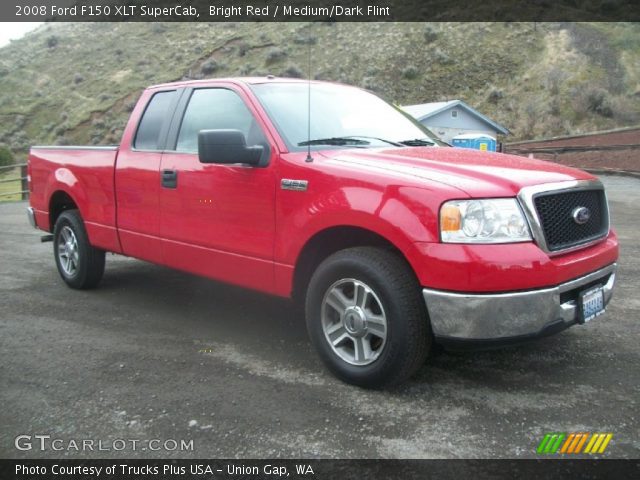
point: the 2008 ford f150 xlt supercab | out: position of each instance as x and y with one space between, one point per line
390 239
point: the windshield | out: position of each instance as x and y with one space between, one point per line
341 116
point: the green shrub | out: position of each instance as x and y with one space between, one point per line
598 102
6 157
370 83
274 55
293 72
430 35
209 67
410 72
495 95
246 69
442 57
243 48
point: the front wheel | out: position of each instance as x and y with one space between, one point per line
366 317
80 264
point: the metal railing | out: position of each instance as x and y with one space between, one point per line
22 179
524 149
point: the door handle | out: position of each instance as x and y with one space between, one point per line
169 178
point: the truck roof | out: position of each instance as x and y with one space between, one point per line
245 80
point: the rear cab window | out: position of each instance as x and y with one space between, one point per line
154 121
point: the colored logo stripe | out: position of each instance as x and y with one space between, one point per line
598 443
566 445
574 443
550 442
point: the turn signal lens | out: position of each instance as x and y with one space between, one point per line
450 218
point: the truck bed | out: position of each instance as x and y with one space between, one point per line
84 173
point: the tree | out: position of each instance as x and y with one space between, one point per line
6 157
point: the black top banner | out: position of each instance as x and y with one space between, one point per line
317 10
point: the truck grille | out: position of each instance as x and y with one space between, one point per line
556 214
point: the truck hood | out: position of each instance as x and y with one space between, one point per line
476 173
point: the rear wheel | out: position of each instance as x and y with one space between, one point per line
366 317
80 264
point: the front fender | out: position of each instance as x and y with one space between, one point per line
400 214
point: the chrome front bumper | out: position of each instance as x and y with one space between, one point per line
505 316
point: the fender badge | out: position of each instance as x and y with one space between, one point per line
297 185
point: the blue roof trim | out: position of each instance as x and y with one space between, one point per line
459 103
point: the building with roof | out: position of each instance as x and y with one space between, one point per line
454 118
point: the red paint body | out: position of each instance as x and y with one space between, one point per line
235 223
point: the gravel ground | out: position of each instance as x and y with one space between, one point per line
158 354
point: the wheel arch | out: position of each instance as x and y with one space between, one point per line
59 201
329 241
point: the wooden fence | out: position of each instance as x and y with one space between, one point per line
14 187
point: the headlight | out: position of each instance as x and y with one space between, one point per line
497 220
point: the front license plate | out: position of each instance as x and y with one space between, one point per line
591 304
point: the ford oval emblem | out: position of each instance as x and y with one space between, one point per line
581 215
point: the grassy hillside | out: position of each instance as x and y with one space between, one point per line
76 83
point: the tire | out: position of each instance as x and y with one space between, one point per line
80 265
366 317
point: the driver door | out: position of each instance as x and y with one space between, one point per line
217 220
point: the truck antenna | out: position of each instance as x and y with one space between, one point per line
309 157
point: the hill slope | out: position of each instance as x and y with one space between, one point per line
76 83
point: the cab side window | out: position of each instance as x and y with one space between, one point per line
153 119
216 108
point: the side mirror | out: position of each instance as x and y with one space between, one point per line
227 147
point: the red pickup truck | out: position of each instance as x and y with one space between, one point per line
329 195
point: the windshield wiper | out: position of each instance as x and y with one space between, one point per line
418 142
334 141
390 142
355 140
